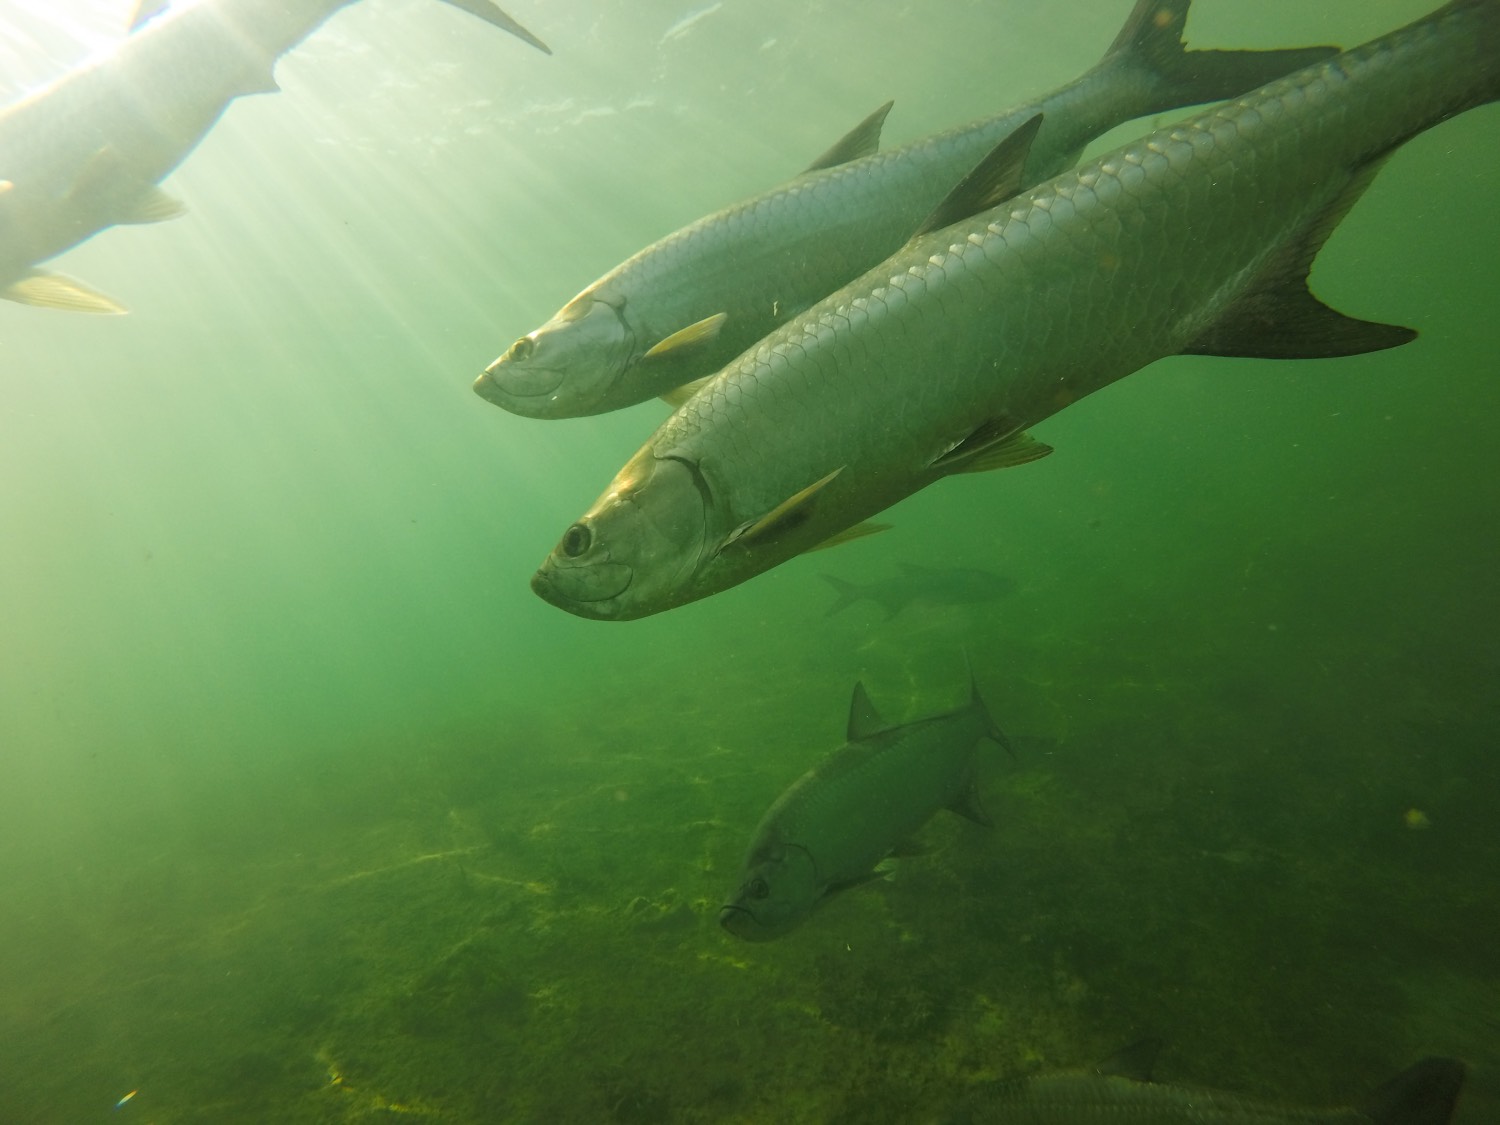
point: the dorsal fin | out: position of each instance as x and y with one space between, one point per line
864 721
1135 1061
1422 1094
996 178
1279 318
862 140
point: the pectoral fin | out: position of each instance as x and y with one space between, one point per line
862 140
995 444
1279 318
996 178
54 291
787 514
694 335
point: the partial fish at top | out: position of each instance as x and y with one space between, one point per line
1197 238
683 307
86 152
1119 1091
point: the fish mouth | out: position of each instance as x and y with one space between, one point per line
584 591
513 389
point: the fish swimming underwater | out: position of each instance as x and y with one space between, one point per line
1195 239
943 585
829 830
1120 1092
688 304
87 152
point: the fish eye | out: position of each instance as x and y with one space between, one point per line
758 888
521 349
576 540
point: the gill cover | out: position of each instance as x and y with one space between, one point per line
565 367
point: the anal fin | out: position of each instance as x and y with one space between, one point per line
679 395
1279 318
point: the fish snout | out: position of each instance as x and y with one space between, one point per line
520 387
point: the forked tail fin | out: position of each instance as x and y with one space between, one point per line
1151 40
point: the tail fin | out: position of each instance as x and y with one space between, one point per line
1152 40
976 701
1425 1093
848 594
491 14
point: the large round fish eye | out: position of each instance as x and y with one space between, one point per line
576 541
521 349
758 889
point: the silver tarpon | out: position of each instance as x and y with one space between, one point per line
829 830
1120 1091
688 304
86 152
1197 238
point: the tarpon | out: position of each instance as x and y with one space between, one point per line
828 831
688 304
1120 1092
1196 239
87 152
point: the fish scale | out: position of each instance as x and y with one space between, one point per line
1193 239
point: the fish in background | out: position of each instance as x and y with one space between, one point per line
1012 304
941 585
828 831
683 307
1120 1091
87 151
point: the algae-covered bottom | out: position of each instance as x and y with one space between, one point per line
1182 848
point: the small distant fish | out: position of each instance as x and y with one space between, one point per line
828 831
955 585
1120 1091
120 1104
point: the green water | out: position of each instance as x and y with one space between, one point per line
311 812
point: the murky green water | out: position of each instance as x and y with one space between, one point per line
311 812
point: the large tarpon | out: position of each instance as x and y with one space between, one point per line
689 303
829 830
1120 1091
86 152
1195 239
